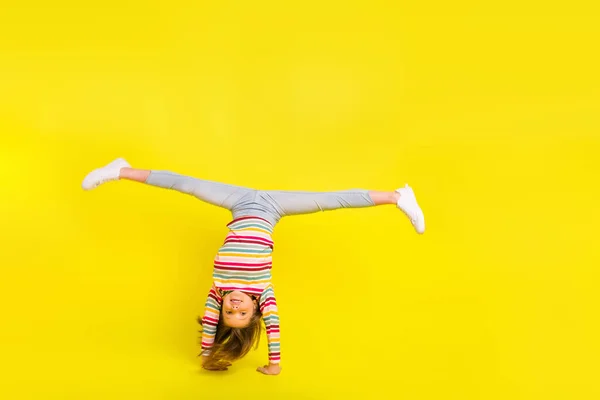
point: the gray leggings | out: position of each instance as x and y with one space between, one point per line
268 204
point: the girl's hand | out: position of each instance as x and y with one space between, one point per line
271 369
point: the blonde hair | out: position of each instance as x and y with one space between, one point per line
232 343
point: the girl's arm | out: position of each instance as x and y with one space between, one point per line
270 315
210 320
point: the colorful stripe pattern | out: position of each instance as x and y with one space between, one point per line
244 263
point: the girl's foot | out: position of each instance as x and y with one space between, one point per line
109 172
407 203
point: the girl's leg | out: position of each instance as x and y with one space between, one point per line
216 193
296 203
381 198
271 204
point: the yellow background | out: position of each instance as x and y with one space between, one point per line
490 111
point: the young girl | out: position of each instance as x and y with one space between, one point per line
241 294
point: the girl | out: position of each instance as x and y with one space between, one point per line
241 294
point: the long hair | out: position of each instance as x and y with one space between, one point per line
232 343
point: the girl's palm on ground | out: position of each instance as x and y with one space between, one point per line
271 369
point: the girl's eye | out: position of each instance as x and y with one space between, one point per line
243 313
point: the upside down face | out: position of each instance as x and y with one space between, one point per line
237 309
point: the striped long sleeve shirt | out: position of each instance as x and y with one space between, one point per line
244 263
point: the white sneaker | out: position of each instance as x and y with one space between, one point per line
109 172
408 204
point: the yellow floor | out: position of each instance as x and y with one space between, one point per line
489 112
